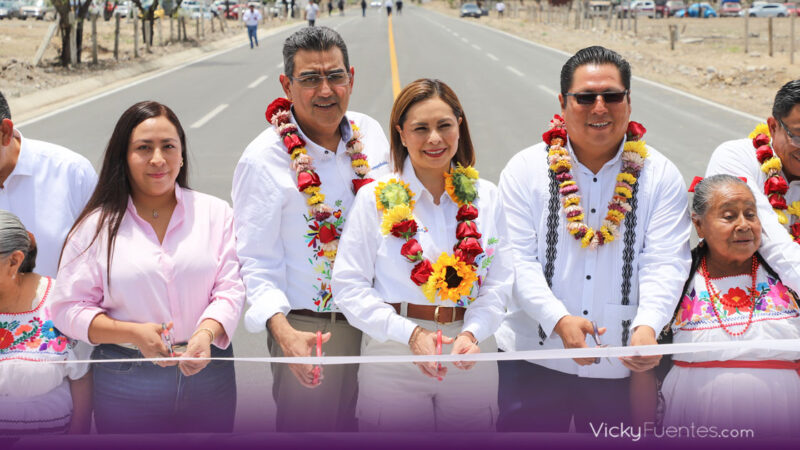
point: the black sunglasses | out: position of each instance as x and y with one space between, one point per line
588 98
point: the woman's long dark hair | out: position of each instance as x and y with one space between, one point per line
110 196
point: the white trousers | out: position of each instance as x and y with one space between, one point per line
399 397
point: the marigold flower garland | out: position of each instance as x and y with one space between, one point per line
634 154
279 114
775 187
452 275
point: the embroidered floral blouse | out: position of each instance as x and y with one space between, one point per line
776 316
31 336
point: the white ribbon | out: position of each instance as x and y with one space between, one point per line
789 345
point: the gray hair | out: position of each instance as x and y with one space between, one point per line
13 237
317 39
705 189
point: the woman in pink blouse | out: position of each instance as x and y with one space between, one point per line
147 258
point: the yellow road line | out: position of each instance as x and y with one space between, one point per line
393 60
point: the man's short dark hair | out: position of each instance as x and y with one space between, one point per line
317 39
5 111
787 97
596 55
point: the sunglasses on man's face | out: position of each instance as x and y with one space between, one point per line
588 98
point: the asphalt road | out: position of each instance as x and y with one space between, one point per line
508 88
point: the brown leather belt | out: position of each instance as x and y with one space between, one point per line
332 316
439 314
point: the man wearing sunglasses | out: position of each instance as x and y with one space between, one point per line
776 193
572 288
284 249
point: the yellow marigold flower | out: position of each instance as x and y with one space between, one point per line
626 177
359 162
578 218
560 151
429 289
566 183
469 171
606 235
393 216
794 209
636 146
572 200
297 152
615 215
762 128
623 191
562 164
354 127
312 190
773 163
316 198
587 238
782 219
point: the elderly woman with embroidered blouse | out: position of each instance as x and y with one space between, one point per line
424 252
38 393
732 295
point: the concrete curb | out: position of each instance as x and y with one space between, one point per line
37 104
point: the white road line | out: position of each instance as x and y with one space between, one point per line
466 41
257 82
455 34
515 71
476 47
548 90
209 116
492 57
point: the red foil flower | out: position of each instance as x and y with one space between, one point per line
412 250
327 233
775 185
307 179
549 135
279 104
292 141
635 131
468 249
358 183
763 153
761 139
467 229
777 201
467 212
795 230
405 229
421 272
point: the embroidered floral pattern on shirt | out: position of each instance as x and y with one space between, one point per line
30 337
322 266
774 301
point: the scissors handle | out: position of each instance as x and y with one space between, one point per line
439 349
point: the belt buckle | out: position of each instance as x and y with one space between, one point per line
436 316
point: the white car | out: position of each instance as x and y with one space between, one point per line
375 4
37 9
644 8
768 10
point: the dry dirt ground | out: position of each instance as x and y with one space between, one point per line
19 41
708 61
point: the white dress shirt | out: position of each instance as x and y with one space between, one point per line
280 267
251 18
311 11
370 271
589 283
738 158
47 190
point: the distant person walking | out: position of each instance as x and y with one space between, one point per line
251 18
501 7
341 7
399 5
388 6
363 8
312 10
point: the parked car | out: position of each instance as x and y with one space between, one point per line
195 11
703 10
644 8
375 4
791 9
9 9
667 9
470 10
730 9
37 9
768 10
123 9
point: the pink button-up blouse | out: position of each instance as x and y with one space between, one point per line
191 276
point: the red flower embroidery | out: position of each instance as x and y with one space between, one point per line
6 339
736 298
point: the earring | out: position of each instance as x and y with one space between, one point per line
181 163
